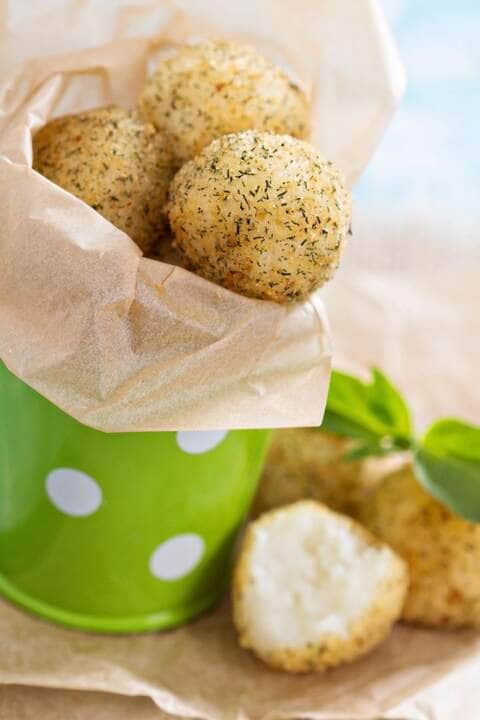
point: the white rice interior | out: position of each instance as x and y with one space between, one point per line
310 575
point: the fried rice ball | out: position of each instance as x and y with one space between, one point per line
313 589
441 548
115 162
263 215
216 88
309 463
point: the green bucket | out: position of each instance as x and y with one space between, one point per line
118 532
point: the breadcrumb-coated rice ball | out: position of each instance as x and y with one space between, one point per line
115 162
216 88
441 549
313 589
308 463
264 215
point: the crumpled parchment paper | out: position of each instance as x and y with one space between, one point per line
124 343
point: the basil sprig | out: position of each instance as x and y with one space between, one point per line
446 460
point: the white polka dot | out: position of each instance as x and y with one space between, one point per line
73 492
196 442
177 556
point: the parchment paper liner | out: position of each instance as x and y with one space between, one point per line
123 343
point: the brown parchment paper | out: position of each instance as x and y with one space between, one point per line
124 343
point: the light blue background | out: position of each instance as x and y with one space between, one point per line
429 160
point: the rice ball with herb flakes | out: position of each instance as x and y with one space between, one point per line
115 162
309 463
264 215
441 549
216 88
313 589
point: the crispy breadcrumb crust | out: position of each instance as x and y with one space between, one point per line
216 88
309 463
115 162
264 215
442 551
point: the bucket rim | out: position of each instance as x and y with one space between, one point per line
162 620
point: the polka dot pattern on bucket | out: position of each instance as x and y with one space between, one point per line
199 441
73 492
176 557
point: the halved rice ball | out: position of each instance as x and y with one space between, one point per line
313 589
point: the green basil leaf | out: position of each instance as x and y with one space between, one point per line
454 438
452 481
389 404
362 451
338 425
377 407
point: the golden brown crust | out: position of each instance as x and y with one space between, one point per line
216 88
263 215
115 162
307 463
330 650
442 551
